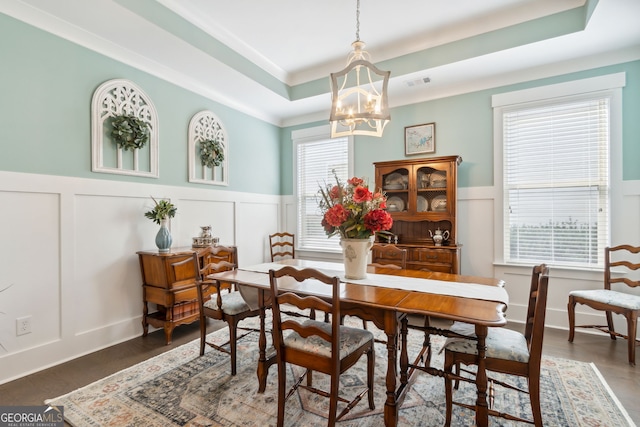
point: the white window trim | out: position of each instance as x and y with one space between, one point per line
301 136
611 83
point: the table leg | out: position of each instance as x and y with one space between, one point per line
404 353
391 405
482 408
263 367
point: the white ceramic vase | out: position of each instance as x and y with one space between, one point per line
355 253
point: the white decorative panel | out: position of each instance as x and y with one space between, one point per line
108 232
206 126
475 228
256 220
111 99
220 215
30 275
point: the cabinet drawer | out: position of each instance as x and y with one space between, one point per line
189 294
385 258
431 255
168 297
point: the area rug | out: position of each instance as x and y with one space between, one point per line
180 388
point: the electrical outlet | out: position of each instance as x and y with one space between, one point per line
23 325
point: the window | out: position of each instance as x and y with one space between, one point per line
556 179
316 157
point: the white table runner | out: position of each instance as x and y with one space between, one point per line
440 287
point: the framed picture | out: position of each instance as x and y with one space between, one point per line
420 139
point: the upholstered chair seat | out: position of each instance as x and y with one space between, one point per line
605 296
351 339
232 303
502 343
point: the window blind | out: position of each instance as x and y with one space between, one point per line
556 182
316 162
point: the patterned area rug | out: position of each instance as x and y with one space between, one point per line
179 388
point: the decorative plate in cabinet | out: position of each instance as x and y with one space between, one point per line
423 204
438 179
439 203
395 204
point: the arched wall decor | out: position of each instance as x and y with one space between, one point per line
202 127
122 97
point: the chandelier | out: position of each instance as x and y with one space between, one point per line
358 103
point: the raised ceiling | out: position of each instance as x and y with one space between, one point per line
271 59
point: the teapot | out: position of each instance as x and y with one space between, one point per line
439 236
206 231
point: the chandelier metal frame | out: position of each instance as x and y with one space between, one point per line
359 104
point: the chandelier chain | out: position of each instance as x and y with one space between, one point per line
358 20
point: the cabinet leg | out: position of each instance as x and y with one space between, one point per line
168 331
145 325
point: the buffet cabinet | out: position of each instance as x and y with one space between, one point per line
422 199
169 285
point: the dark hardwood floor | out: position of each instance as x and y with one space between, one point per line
610 357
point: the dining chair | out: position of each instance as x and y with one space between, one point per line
388 256
327 347
623 260
283 245
507 351
226 302
391 256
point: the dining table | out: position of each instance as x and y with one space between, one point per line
387 297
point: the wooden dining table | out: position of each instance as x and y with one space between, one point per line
385 298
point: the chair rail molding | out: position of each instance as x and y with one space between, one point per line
123 97
204 126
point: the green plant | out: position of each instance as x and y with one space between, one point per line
129 132
163 209
211 153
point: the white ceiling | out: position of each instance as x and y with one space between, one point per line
295 42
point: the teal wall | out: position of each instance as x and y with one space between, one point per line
464 126
46 85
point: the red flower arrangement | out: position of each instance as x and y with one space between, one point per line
352 210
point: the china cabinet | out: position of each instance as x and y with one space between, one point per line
422 199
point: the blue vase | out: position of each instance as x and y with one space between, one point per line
163 238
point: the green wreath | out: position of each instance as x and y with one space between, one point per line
130 132
211 153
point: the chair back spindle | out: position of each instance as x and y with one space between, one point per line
282 246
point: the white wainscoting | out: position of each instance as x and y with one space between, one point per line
69 257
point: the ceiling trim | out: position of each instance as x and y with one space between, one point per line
164 18
536 30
